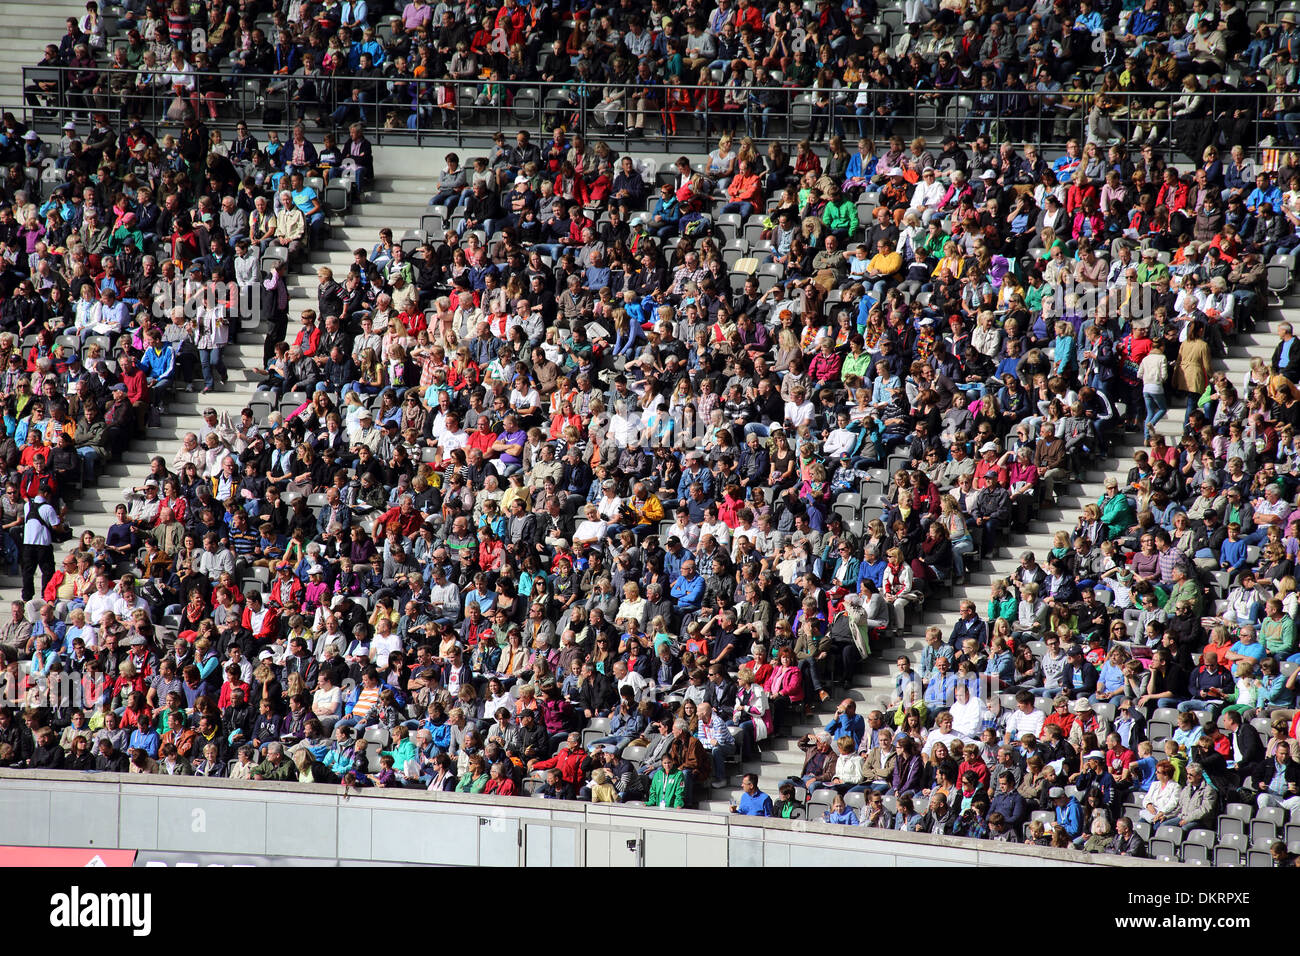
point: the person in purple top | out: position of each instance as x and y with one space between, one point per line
510 446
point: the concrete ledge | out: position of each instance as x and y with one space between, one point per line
188 814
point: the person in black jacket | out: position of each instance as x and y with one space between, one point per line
80 756
597 695
1286 357
720 692
481 210
109 759
527 739
1247 748
47 754
237 719
1079 678
359 150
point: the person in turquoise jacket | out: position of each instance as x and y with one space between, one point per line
404 748
1116 512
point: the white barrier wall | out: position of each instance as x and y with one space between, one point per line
183 819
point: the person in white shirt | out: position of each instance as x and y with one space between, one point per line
798 410
609 504
966 713
685 532
384 642
103 599
623 428
713 527
625 678
365 432
1025 719
1161 800
841 440
943 732
452 436
235 655
327 702
592 529
745 531
927 195
144 511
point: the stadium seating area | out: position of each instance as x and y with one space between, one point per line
610 474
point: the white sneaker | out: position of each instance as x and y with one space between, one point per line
1267 142
1137 135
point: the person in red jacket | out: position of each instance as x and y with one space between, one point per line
513 19
38 480
500 782
568 760
826 364
748 15
308 338
137 387
263 622
406 518
745 191
68 571
286 589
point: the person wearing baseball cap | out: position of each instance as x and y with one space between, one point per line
1078 678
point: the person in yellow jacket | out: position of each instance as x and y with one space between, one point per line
647 508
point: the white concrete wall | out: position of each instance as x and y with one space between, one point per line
300 823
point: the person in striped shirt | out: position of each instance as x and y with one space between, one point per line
358 710
243 539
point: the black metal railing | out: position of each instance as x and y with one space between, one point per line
469 109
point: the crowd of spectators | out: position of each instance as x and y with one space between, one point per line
590 496
1133 70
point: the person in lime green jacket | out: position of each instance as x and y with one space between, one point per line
857 364
668 786
840 214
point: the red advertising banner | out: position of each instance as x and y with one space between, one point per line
64 856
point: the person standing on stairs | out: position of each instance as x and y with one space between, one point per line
1193 368
275 310
40 521
211 336
1152 372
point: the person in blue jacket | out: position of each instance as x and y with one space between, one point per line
1068 812
753 802
840 813
847 723
688 589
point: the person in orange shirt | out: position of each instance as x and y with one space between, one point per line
745 191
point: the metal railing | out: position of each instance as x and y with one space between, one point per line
677 113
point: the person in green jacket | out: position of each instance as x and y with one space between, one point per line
668 786
1116 512
1277 630
1185 589
275 766
840 214
857 364
126 233
475 778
